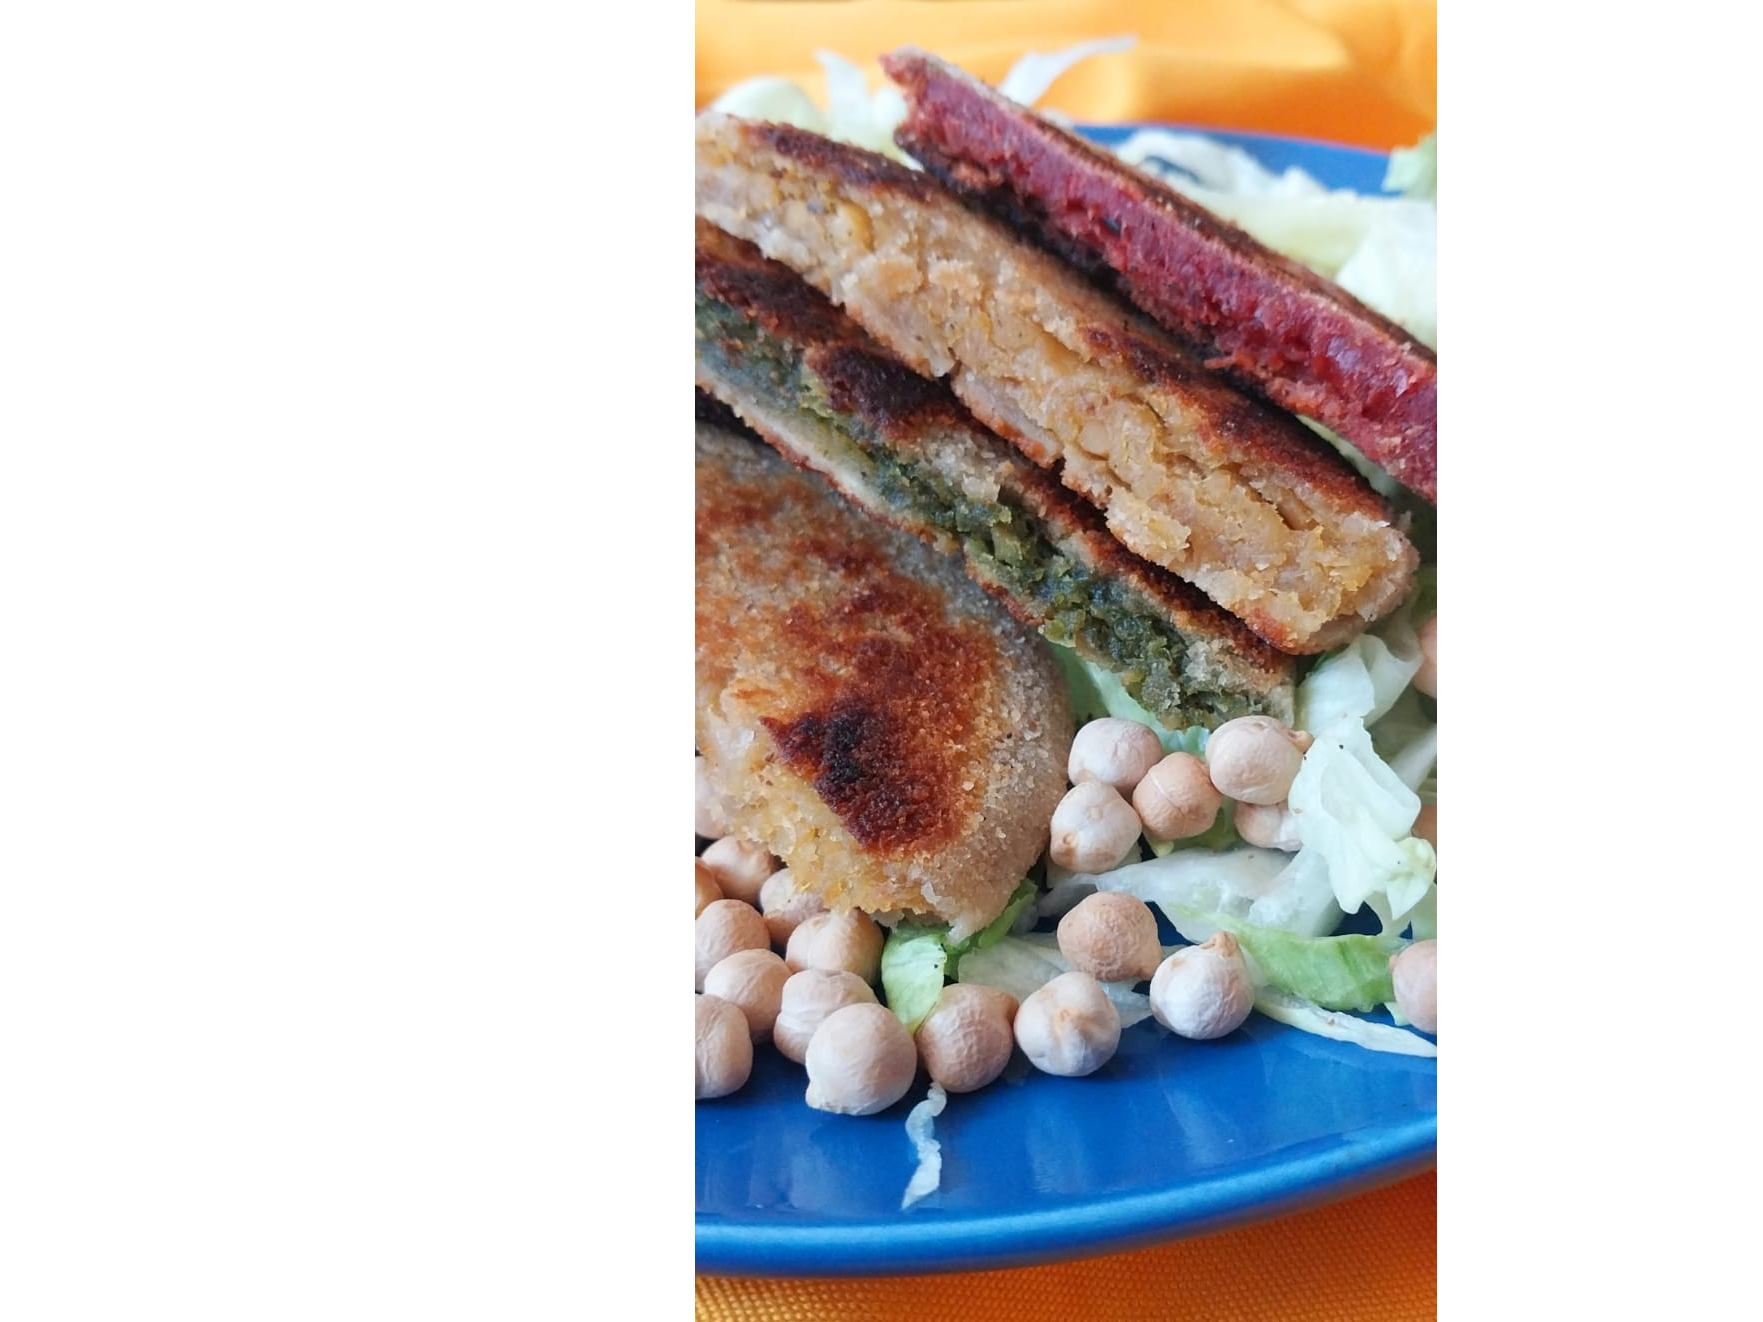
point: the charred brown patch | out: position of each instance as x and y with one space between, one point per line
852 165
881 390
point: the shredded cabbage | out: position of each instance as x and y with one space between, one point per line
1299 1013
1021 966
921 1128
1030 77
1248 885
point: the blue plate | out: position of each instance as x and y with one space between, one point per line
1170 1139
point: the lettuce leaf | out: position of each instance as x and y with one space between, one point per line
912 965
1335 972
917 957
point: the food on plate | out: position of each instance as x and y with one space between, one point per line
1223 490
860 1060
1255 760
786 906
848 942
1203 991
828 396
740 868
708 891
724 1047
1265 320
722 928
1415 973
1177 799
1069 1026
966 1039
753 982
1112 937
1426 679
1093 828
871 719
808 998
868 712
1114 751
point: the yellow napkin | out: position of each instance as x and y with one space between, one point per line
1373 1258
1354 71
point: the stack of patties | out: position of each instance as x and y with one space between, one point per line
829 397
865 710
1218 487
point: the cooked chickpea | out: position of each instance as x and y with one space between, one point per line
1268 825
1426 679
860 1060
708 891
1176 800
1093 829
1112 937
1426 825
1068 1026
1202 992
785 907
713 815
965 1041
724 1048
724 927
1416 974
753 982
1115 752
739 867
850 942
1253 759
808 998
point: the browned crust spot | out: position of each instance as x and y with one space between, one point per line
885 689
865 169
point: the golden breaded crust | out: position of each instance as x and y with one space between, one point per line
1224 670
873 717
1220 489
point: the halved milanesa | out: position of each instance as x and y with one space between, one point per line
871 714
1300 340
1224 491
827 395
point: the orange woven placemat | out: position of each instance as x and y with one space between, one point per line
1372 1258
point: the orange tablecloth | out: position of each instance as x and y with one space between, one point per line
1373 1257
1356 71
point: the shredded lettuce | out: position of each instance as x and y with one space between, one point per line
1301 1014
1034 74
1414 171
1021 966
1245 885
912 965
1097 691
917 957
1335 972
921 1129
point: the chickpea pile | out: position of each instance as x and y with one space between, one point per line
774 966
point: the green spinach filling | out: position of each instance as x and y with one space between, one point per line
1103 619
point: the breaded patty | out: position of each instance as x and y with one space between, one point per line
1272 324
1222 490
873 717
902 447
